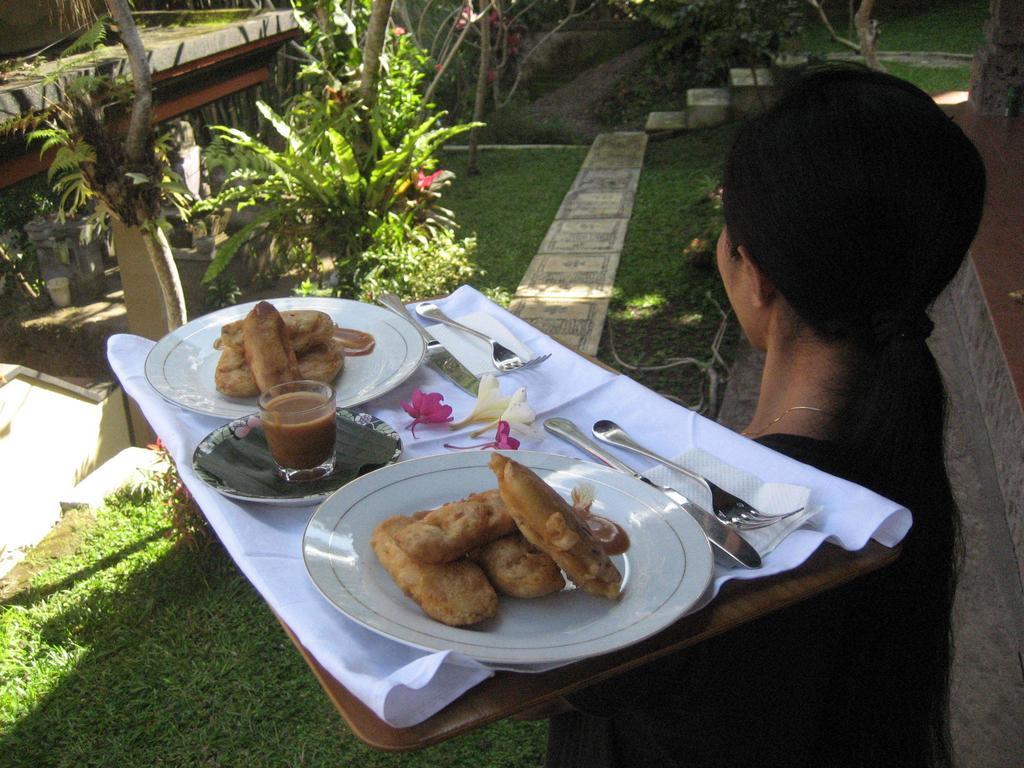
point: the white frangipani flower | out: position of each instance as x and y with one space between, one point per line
490 403
518 413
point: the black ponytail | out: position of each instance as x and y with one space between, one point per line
859 198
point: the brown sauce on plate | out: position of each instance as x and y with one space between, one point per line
612 538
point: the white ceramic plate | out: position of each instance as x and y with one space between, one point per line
666 569
181 365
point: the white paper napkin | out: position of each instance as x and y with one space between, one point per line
768 498
475 353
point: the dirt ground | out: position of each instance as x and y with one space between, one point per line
575 103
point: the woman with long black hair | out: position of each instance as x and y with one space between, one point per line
849 206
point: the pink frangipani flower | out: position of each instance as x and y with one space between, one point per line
427 408
503 440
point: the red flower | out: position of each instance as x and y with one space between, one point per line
427 408
503 440
398 31
424 180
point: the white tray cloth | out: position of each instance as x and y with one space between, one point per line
405 685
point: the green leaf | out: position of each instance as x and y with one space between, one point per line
226 250
92 38
279 124
346 159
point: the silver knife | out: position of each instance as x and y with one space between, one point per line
438 358
725 539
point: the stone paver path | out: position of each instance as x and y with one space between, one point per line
567 287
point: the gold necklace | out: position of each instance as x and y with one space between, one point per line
779 418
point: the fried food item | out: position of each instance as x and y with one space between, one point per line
517 569
233 376
450 531
309 338
306 329
457 594
267 351
550 524
322 362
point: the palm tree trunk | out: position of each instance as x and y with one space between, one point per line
140 123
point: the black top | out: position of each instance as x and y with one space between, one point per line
775 692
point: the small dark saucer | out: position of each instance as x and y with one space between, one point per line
235 461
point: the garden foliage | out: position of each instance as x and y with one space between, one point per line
341 183
714 35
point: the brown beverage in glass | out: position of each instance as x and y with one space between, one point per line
298 421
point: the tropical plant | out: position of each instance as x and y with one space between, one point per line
415 267
341 170
19 204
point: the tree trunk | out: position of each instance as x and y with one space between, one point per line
480 103
380 12
139 155
450 56
823 17
159 252
867 34
140 123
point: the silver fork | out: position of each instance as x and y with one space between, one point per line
504 359
727 506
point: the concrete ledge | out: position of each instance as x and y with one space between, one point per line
131 465
53 433
168 48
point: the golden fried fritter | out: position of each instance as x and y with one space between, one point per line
309 339
267 350
517 569
450 531
550 524
322 362
233 376
306 329
457 594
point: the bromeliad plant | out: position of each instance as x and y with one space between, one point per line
345 173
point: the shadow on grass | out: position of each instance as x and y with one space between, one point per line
31 595
184 664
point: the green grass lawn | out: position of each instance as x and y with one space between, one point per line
509 207
132 651
952 27
664 305
661 307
